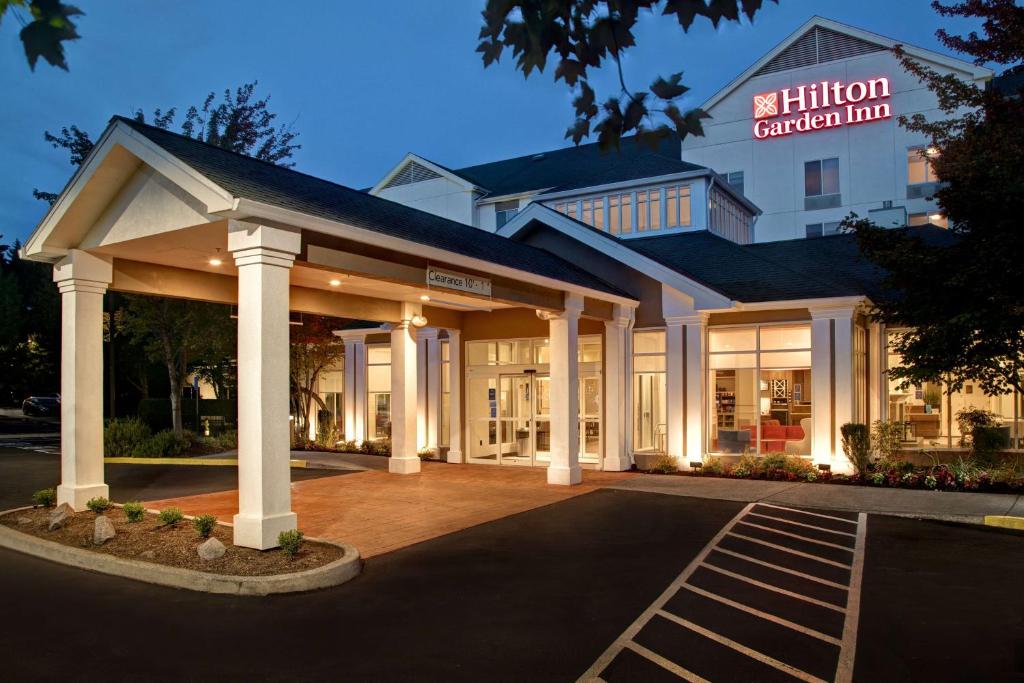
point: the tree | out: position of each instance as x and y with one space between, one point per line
181 335
314 348
43 31
237 122
582 35
958 295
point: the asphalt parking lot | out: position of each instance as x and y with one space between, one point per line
644 586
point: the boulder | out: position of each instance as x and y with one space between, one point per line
24 521
59 516
211 549
147 555
103 530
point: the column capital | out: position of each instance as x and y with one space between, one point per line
453 333
252 244
698 318
622 316
832 311
427 333
81 271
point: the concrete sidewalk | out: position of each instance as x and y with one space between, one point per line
943 505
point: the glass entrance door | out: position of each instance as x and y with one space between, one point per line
515 418
590 419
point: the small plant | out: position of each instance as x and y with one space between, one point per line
664 464
98 505
887 439
857 445
165 443
290 542
932 395
124 436
171 516
204 525
748 466
134 511
713 466
427 453
970 419
45 498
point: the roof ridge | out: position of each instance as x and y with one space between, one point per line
571 148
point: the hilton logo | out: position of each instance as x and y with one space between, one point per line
806 99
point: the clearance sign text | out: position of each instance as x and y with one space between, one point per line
803 109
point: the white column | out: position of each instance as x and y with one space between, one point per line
831 380
82 279
821 388
454 395
617 372
355 386
433 371
421 387
696 402
842 359
404 459
675 388
563 332
264 257
876 367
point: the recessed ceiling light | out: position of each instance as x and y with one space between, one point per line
424 297
335 282
215 262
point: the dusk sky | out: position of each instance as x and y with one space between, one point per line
363 82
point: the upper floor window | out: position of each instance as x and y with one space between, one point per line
632 212
677 206
735 179
504 211
822 229
648 210
936 219
821 177
919 165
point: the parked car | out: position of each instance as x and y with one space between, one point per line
41 406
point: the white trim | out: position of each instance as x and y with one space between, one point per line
704 297
975 72
410 157
247 207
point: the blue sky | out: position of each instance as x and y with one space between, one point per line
363 82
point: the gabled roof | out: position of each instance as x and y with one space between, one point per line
859 42
243 178
571 168
417 169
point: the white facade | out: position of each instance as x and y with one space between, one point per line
872 156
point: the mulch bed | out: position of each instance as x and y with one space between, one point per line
172 546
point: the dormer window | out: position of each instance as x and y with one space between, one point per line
504 212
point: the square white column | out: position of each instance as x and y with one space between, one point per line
563 333
842 359
821 389
877 399
421 388
696 380
618 371
675 388
264 257
355 386
831 381
82 279
433 373
404 459
454 396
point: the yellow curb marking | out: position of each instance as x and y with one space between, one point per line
186 461
1005 521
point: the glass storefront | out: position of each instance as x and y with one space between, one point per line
508 397
760 381
332 391
378 391
649 417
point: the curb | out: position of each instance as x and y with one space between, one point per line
333 574
119 460
1005 521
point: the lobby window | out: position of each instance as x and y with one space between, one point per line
821 177
677 206
919 165
504 212
936 219
331 389
735 179
822 229
378 390
649 416
761 389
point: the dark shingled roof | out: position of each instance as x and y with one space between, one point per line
261 181
574 167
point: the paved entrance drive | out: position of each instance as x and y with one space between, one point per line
379 512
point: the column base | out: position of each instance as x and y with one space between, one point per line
403 465
565 476
454 457
78 496
261 532
617 464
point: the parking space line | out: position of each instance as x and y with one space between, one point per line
812 514
665 663
801 524
763 615
844 671
739 647
780 568
769 587
783 548
797 536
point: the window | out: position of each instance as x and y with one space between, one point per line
504 211
919 165
761 389
821 177
648 210
613 215
599 213
936 219
735 178
649 415
560 207
641 211
571 209
446 394
378 390
332 390
677 206
588 211
822 229
626 202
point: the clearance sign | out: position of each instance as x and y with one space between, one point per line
828 104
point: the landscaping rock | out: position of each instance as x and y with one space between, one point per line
147 555
212 549
59 515
103 530
24 521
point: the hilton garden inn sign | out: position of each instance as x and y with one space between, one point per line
827 104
